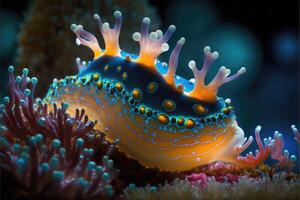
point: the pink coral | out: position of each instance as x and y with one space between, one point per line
260 156
200 179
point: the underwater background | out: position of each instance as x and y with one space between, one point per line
262 36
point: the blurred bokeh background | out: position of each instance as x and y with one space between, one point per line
263 36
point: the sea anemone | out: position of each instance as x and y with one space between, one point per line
51 153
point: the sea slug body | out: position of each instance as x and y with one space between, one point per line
161 119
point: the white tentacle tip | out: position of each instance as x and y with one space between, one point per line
181 41
228 101
73 27
222 68
105 26
165 47
215 55
153 35
172 28
96 17
250 138
258 129
227 72
136 36
294 128
117 14
159 34
146 20
206 49
242 70
78 41
192 64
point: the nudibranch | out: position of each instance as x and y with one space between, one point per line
161 119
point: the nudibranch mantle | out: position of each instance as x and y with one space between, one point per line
161 119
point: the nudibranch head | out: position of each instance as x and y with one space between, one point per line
161 119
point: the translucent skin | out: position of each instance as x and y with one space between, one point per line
145 142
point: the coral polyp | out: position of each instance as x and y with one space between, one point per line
51 152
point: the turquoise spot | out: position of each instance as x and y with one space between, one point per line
45 167
25 71
105 159
79 142
11 69
55 143
106 176
58 175
153 189
99 169
39 138
34 80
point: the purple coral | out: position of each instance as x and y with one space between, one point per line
51 149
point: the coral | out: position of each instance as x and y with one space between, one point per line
198 179
50 152
273 147
297 134
246 188
260 156
45 42
282 156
